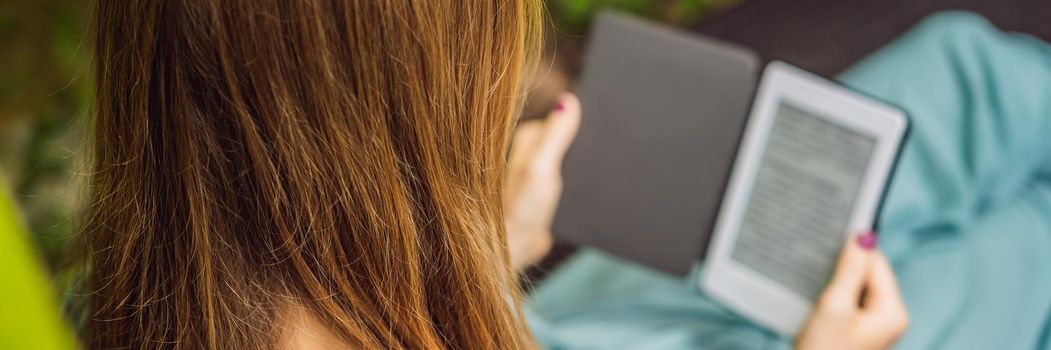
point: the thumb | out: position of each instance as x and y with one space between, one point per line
560 130
882 296
852 269
885 317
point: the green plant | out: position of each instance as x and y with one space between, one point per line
574 16
44 97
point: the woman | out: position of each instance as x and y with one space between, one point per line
329 173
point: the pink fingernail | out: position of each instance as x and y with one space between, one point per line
867 240
559 106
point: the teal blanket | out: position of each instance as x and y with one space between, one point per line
967 219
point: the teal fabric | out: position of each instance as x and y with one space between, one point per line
966 223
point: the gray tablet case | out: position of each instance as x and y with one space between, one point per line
663 115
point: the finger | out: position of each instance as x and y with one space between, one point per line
882 291
884 315
561 129
848 280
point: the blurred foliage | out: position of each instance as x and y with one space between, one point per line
31 318
574 16
45 93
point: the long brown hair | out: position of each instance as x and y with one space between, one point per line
341 156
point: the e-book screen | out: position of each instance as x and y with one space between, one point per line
795 220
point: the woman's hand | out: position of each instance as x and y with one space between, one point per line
534 181
861 308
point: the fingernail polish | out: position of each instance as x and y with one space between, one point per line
559 106
867 240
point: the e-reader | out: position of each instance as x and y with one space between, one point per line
812 167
